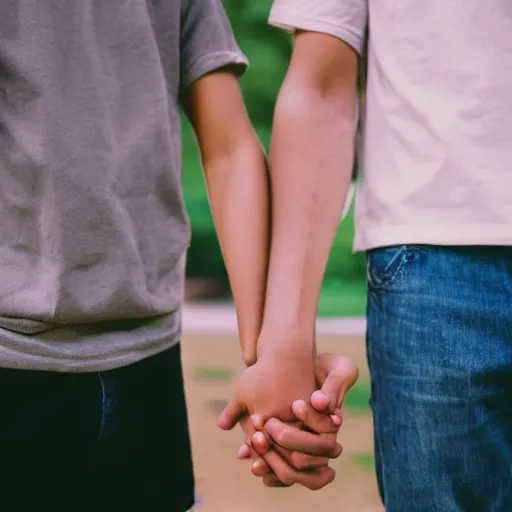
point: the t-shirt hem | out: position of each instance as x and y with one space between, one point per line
433 234
19 352
290 21
213 61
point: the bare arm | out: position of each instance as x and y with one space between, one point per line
237 181
311 165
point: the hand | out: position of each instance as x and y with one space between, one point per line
268 388
304 450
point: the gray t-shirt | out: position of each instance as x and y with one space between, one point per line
93 228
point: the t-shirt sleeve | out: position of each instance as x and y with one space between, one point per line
345 19
207 41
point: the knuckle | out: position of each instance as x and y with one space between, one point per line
300 461
272 422
338 450
272 426
331 439
281 436
315 485
322 480
288 481
259 472
330 443
270 481
287 478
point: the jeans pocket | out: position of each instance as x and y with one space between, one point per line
385 266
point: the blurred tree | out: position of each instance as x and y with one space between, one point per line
268 50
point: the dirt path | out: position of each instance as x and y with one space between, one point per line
224 483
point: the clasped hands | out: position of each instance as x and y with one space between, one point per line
289 407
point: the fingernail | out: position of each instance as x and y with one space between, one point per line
257 421
243 452
300 409
258 438
319 395
336 420
257 465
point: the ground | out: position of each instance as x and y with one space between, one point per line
225 484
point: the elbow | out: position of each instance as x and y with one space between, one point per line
240 152
312 106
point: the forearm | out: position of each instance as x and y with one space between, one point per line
311 164
239 197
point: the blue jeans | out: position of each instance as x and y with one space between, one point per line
440 353
109 441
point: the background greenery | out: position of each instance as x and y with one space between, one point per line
268 50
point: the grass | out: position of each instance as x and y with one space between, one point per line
364 461
212 374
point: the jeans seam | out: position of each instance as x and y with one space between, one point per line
386 281
383 279
103 419
399 271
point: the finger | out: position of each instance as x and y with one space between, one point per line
260 468
271 480
291 438
314 479
337 418
247 428
261 442
313 420
249 354
283 471
244 452
300 461
258 421
231 415
321 402
339 374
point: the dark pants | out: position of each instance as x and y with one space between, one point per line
440 354
115 440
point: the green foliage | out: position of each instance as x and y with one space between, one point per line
343 264
342 298
268 50
358 398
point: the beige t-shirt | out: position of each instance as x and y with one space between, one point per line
436 146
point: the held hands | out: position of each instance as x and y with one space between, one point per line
291 424
268 388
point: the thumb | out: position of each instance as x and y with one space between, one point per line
231 415
339 374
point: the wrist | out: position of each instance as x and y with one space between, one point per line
291 343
